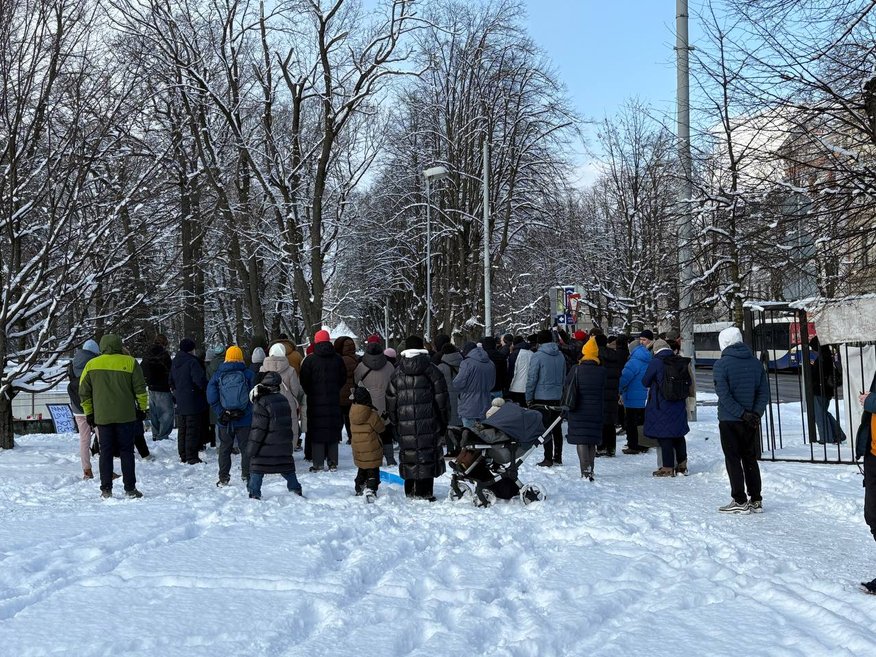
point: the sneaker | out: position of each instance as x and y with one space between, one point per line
313 468
106 494
253 496
545 464
333 467
664 472
370 496
736 508
223 482
869 587
756 507
587 474
133 493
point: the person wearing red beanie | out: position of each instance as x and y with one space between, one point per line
322 336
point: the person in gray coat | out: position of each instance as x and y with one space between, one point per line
476 378
74 372
374 372
544 387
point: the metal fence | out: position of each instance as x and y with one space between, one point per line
810 406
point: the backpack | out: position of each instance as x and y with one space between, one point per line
676 378
233 391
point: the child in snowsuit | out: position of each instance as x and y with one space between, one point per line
271 437
366 427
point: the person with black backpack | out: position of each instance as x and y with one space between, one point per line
668 382
228 396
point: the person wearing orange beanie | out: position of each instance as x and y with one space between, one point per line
585 419
228 396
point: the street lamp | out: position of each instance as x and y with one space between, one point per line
430 174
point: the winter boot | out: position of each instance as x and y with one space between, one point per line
664 472
389 455
106 494
370 496
133 494
681 468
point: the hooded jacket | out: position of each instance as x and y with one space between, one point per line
518 366
419 406
740 383
213 397
74 372
374 372
156 369
610 360
290 386
500 362
586 419
634 394
450 366
663 418
112 387
188 381
366 427
273 431
323 374
476 378
547 372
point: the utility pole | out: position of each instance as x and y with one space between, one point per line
685 189
488 292
428 261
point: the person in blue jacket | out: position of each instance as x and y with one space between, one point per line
228 396
665 420
634 395
544 387
473 383
743 394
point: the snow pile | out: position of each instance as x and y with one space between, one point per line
628 565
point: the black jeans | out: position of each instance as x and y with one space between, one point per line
870 492
633 418
227 435
741 445
674 451
553 446
367 478
188 436
609 438
117 438
321 451
419 488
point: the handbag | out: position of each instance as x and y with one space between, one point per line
570 393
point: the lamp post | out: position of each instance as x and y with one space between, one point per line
430 174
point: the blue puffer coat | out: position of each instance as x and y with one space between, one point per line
634 394
547 371
663 419
585 420
740 382
213 391
473 383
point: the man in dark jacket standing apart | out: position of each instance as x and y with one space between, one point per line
474 383
743 393
544 386
419 407
228 396
156 371
114 399
323 375
188 380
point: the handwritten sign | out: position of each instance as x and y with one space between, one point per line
62 416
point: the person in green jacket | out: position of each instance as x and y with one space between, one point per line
114 398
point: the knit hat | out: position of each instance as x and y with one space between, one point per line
258 355
91 345
414 342
467 347
544 336
389 352
373 348
495 405
373 339
187 345
234 354
580 335
361 395
647 334
590 350
309 349
322 336
729 336
672 334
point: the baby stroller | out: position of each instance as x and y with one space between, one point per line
486 468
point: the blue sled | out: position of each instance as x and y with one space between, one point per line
390 478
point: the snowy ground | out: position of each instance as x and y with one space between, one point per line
628 565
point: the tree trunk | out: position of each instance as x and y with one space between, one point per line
7 439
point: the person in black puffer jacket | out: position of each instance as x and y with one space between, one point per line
271 437
419 407
323 374
501 363
188 381
586 418
611 361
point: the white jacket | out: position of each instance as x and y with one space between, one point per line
521 371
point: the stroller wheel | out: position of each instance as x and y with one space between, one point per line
531 493
458 491
485 498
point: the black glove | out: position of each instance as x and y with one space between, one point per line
751 419
141 415
225 418
90 420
